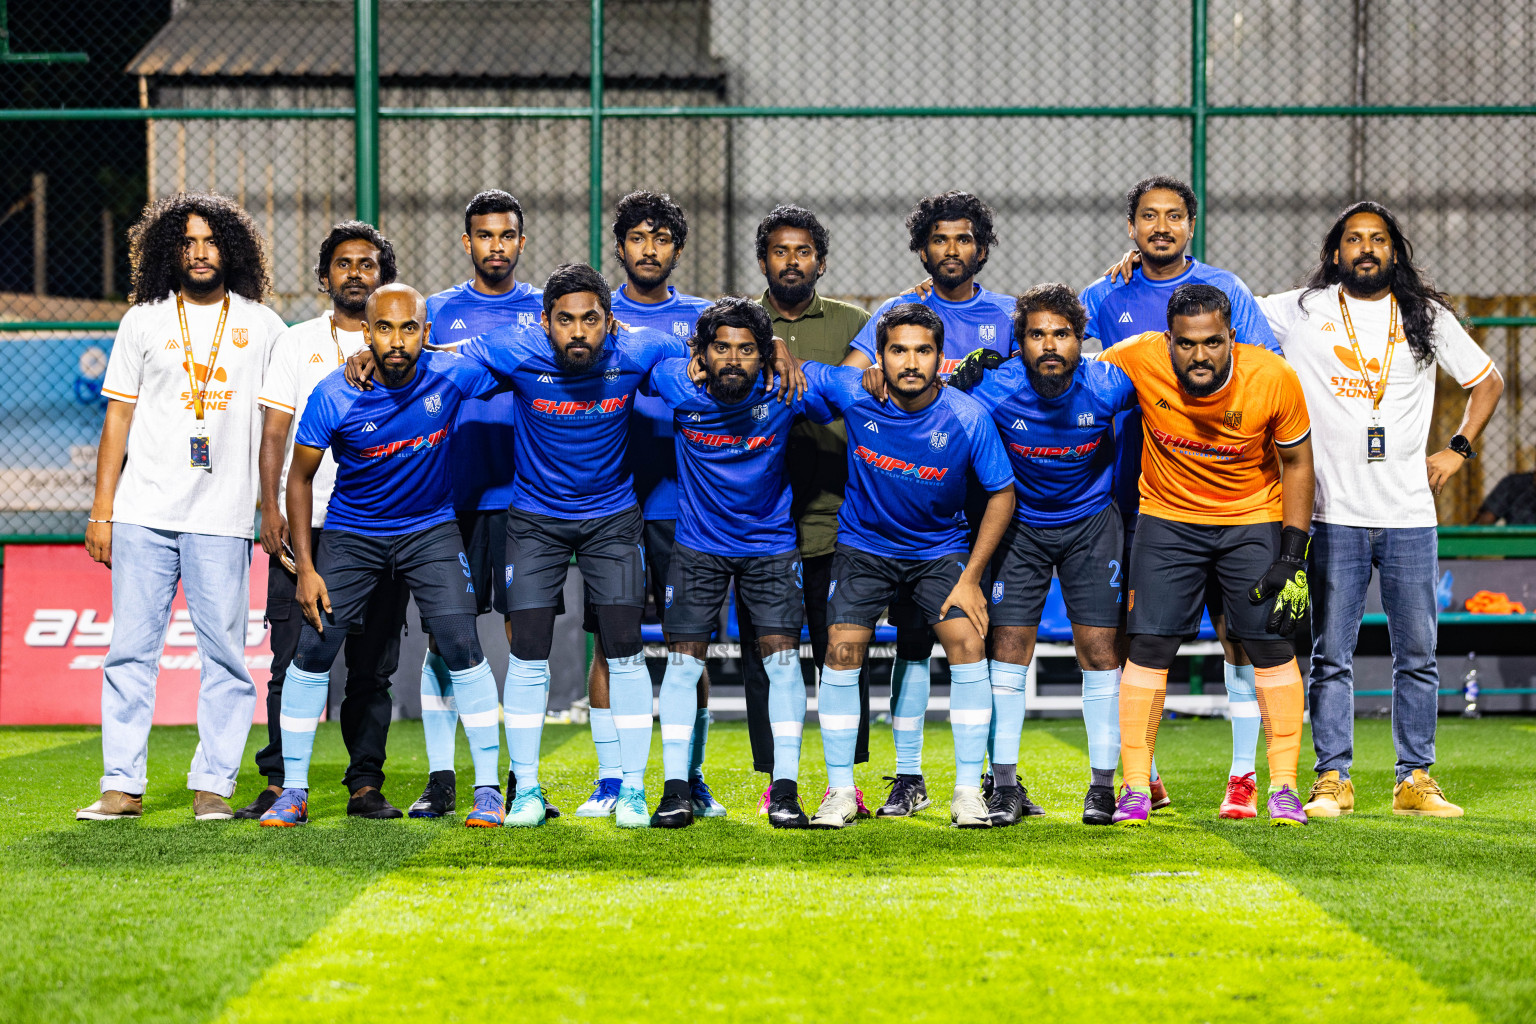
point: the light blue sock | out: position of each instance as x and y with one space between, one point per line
837 708
629 692
1243 701
439 713
786 711
910 681
475 691
697 742
970 717
606 739
1101 718
304 695
679 697
1007 728
524 700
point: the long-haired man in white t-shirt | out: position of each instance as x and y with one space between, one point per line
1365 336
176 487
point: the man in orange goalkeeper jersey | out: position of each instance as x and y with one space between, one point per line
1224 423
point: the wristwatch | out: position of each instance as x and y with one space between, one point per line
1461 446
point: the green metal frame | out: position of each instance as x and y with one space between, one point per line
365 87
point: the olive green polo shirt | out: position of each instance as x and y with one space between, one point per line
818 455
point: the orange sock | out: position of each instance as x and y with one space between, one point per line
1280 698
1141 709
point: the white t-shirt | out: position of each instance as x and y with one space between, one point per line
302 357
159 489
1352 490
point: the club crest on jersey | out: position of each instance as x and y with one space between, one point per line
987 332
1232 420
1085 420
938 439
997 592
680 329
760 412
525 320
241 336
669 595
611 374
433 403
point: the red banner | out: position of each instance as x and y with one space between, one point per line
57 624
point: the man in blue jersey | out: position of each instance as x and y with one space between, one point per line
481 456
1160 215
734 522
390 514
902 534
1055 413
953 236
649 232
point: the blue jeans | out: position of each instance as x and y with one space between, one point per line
215 574
1342 560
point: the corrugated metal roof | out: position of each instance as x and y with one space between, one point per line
505 39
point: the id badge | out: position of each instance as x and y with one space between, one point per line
200 448
1375 444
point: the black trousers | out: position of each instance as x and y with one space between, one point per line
371 658
818 577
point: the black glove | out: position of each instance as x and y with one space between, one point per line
968 374
1286 582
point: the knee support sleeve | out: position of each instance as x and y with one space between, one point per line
317 651
913 644
1155 652
533 633
1268 653
619 626
457 640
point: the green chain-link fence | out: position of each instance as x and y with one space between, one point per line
1278 112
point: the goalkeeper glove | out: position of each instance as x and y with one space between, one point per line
1286 582
968 374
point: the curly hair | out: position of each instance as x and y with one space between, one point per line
951 206
1053 297
787 215
156 241
356 231
656 207
1416 294
735 311
1162 181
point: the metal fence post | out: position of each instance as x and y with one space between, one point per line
595 144
365 42
1197 123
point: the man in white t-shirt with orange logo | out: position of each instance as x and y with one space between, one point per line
354 261
176 487
1365 337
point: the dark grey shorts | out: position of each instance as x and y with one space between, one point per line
609 551
1085 554
430 562
864 585
1173 563
770 588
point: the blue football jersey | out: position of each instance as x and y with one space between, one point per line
392 445
985 320
652 461
733 477
482 452
1062 448
1119 311
568 460
907 472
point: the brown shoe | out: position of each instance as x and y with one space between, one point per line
112 805
1160 797
1331 796
1420 795
208 806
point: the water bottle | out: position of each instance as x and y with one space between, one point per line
1469 688
1443 592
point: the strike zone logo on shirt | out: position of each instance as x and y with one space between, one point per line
1352 387
901 467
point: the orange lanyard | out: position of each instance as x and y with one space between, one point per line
337 342
1379 388
200 391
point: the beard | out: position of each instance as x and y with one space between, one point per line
346 305
199 288
730 385
1371 280
496 275
1160 260
565 364
946 275
1194 390
1050 385
649 275
393 377
791 294
908 387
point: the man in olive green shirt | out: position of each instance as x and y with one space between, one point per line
792 254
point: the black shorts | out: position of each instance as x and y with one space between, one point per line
609 551
864 585
485 544
385 610
430 562
1085 554
1173 563
1213 600
660 536
770 588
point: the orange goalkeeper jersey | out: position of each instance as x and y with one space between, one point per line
1213 460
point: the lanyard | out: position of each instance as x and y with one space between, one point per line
213 354
337 342
1379 388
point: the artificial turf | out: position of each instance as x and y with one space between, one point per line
1367 918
